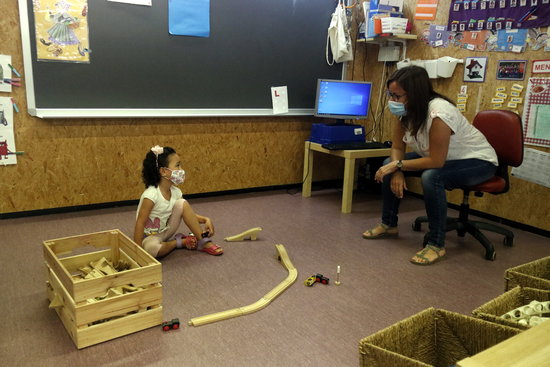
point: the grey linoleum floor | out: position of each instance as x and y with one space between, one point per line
317 326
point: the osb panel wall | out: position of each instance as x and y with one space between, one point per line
527 202
70 162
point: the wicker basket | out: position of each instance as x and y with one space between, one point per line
432 337
535 274
514 298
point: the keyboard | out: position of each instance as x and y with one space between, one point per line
354 145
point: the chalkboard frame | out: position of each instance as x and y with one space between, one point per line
305 106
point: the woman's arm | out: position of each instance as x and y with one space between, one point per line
440 136
397 153
143 215
398 146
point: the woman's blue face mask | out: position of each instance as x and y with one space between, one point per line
397 108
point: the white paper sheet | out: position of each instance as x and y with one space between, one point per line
279 96
535 167
5 61
7 139
134 2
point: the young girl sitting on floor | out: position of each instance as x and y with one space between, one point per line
161 209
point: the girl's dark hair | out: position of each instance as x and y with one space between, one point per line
150 173
415 81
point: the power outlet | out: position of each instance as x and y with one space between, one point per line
388 53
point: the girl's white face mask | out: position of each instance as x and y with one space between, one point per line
177 177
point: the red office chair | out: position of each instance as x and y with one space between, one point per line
504 132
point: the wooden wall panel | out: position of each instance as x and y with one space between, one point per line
87 161
70 162
527 202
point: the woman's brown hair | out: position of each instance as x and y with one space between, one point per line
415 81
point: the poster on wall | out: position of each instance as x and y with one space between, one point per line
61 30
475 69
7 137
536 113
5 73
535 167
466 15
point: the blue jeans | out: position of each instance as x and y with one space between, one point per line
454 174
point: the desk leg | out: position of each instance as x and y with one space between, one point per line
308 171
349 175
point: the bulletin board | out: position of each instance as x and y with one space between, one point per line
536 114
137 69
475 15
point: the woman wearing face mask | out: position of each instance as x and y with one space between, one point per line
448 152
162 208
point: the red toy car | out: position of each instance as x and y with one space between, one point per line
321 279
174 324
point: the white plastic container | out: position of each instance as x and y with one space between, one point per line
420 63
431 68
446 66
403 63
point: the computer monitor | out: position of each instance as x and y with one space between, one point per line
342 99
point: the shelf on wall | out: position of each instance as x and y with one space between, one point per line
399 38
393 37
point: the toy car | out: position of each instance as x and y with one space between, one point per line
174 324
319 278
310 281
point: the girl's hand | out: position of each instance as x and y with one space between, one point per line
385 170
209 226
398 184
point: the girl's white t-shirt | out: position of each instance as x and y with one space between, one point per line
162 209
466 141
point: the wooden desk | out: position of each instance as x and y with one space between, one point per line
349 168
528 349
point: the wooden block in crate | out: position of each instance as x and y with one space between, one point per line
508 301
432 337
88 322
535 274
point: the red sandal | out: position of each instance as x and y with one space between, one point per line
183 241
212 250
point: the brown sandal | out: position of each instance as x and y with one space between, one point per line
386 231
439 252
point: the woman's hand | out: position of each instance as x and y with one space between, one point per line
385 170
398 184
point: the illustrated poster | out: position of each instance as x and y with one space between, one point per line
7 138
61 30
467 15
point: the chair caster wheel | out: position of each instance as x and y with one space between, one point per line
509 241
490 256
416 226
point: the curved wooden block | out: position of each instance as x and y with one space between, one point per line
252 233
261 303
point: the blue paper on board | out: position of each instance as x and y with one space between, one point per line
189 18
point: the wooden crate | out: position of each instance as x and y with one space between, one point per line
535 274
99 321
433 337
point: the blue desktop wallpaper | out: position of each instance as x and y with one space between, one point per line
343 98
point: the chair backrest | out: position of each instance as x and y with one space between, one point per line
504 132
